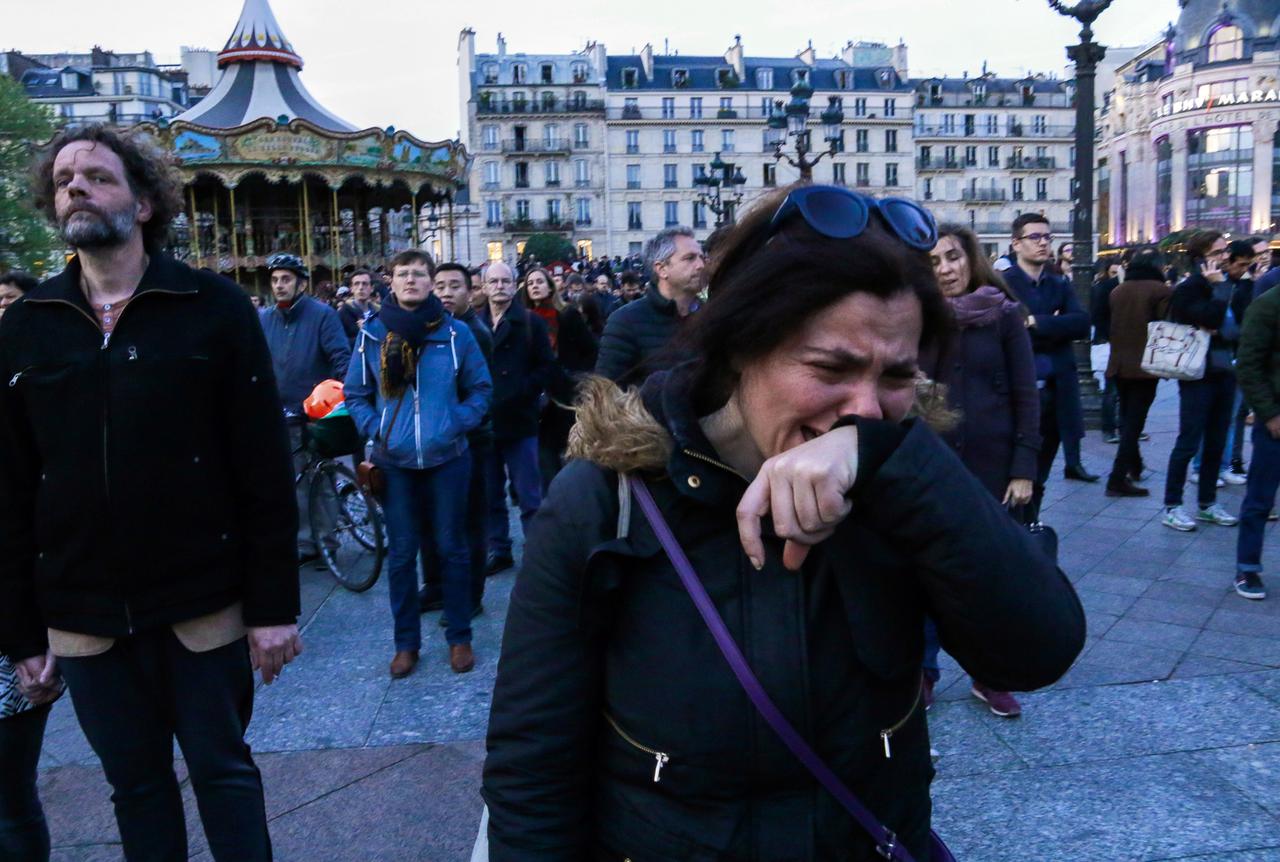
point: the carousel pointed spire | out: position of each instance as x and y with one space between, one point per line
257 36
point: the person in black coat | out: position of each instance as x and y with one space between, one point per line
1055 321
617 729
523 367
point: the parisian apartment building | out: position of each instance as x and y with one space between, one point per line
608 149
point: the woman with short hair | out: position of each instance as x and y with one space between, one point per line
792 461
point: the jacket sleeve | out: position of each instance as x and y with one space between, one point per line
22 630
1255 354
262 475
1003 609
619 352
542 362
1069 324
334 342
578 348
538 778
1193 303
1024 396
475 386
360 390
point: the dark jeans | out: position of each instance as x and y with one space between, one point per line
24 835
1259 498
1135 397
132 701
477 534
517 459
417 502
1051 437
1204 413
932 647
1111 417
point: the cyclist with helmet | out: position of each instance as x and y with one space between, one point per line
307 345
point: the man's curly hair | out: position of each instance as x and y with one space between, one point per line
149 172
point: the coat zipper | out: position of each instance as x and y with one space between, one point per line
715 463
660 758
888 732
417 416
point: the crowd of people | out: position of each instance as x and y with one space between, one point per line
836 410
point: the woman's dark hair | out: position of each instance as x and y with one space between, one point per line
148 171
981 272
554 298
1146 264
764 287
19 279
1199 244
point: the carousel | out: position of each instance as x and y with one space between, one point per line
267 169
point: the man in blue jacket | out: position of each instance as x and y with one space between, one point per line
307 345
417 385
1056 320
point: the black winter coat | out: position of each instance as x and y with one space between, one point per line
1198 302
522 368
482 436
144 480
634 333
617 729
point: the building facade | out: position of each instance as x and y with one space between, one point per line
1187 137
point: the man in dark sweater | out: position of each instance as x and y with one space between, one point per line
1258 367
641 329
154 566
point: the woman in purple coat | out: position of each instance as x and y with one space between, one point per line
990 375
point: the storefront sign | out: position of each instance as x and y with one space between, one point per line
1208 104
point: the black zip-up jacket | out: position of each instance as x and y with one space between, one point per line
147 479
634 334
618 730
522 368
1200 303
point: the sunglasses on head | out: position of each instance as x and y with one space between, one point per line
840 213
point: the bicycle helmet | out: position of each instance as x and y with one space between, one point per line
291 262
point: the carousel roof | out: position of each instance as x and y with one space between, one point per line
260 79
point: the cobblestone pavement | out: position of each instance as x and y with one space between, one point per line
1162 743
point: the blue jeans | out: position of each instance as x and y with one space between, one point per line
1259 498
436 500
1204 414
517 459
23 831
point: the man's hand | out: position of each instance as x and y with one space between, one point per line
1273 427
273 647
806 490
1018 493
36 675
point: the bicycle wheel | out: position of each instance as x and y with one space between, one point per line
347 527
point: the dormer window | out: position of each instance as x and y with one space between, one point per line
798 75
726 78
764 79
980 89
630 78
935 92
519 74
579 72
548 73
886 78
679 78
1226 43
844 79
491 73
1028 92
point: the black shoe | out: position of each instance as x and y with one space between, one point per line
1077 473
1111 438
1249 585
307 557
1125 488
430 599
499 563
444 618
1144 437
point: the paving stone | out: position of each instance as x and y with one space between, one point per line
1150 662
961 732
1119 585
1200 665
1264 651
1266 683
1252 769
1107 603
1150 633
1231 618
1164 611
1186 593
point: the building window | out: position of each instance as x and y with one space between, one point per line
633 141
891 107
1226 43
630 78
764 79
1018 193
970 157
671 213
553 174
668 140
770 177
489 137
1104 202
862 174
699 214
697 146
699 174
519 101
582 173
553 210
551 135
926 156
679 78
993 157
495 250
1042 189
669 179
1039 124
493 213
548 101
1122 222
928 189
726 140
580 136
891 140
583 215
766 107
838 141
492 174
948 124
518 74
891 174
579 100
579 72
522 175
949 157
993 124
522 209
634 222
630 108
668 108
861 143
726 78
695 108
1219 179
633 176
548 73
844 79
837 173
491 73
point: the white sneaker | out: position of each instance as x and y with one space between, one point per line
1215 514
1232 478
1177 518
1193 478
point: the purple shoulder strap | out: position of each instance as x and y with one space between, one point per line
886 842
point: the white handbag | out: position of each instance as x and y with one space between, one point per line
1175 351
480 851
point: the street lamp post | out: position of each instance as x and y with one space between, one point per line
1086 56
792 121
721 177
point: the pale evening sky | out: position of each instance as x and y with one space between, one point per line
394 62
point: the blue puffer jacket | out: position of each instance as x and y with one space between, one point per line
308 345
428 424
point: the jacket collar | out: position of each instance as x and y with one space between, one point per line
515 315
163 275
660 302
